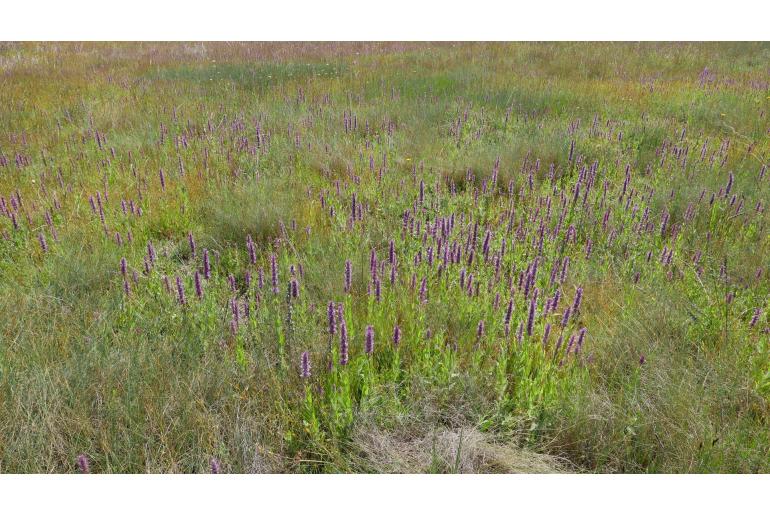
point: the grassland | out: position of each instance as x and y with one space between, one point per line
384 257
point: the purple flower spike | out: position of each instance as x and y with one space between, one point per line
274 273
755 318
123 266
348 276
198 285
558 344
373 264
531 317
343 343
252 250
578 298
305 365
581 339
330 316
151 252
480 330
396 335
206 265
83 464
180 291
508 313
191 240
369 346
216 466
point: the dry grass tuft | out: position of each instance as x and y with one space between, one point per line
461 450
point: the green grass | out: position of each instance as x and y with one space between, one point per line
272 143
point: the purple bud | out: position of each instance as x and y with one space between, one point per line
480 330
755 318
123 266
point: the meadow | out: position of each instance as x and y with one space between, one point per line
384 257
